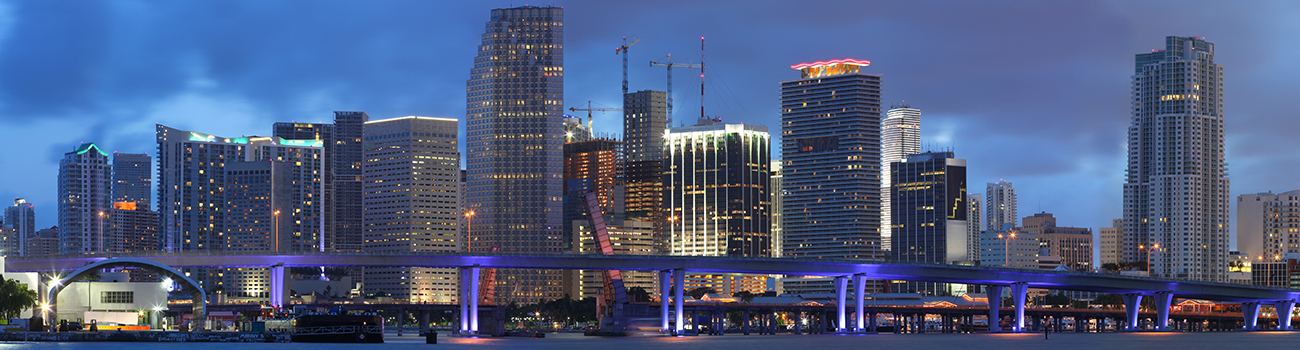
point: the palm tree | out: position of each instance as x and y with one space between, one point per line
745 296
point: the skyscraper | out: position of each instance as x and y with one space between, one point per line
21 217
930 219
132 179
84 199
974 223
514 109
778 193
1001 206
131 228
324 133
346 163
1176 187
645 118
830 145
412 203
1266 225
901 136
592 166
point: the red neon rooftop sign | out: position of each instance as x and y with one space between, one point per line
832 62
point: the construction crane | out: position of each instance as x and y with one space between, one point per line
623 50
589 109
670 66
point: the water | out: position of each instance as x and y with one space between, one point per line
574 341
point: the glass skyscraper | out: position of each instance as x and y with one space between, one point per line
716 181
515 134
132 179
930 216
901 136
84 199
1176 186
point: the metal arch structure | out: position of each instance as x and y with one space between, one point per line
188 285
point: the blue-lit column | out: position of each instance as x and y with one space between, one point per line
1284 309
664 296
1250 311
679 279
1019 291
860 286
463 283
1131 303
473 299
995 308
841 294
1163 301
277 286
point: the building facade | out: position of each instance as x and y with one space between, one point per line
412 203
594 166
85 178
778 193
346 161
21 218
645 118
974 224
1176 187
1000 204
1109 244
133 179
1009 247
514 127
929 218
1072 245
901 137
1268 225
716 180
627 237
132 229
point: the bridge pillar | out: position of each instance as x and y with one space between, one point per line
1131 303
841 291
745 327
1019 291
424 321
860 286
1250 311
473 300
664 296
278 291
995 307
679 279
1284 309
1163 301
871 325
462 282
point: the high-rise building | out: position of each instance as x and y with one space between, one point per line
930 217
132 179
1072 245
259 198
21 218
324 133
645 118
132 228
1266 225
85 179
778 192
346 163
515 156
1001 205
592 166
716 180
830 144
1109 245
900 137
1176 187
974 224
412 203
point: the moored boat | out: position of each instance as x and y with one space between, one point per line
320 328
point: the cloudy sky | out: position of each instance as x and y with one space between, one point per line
1033 92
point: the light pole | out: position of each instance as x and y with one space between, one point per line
1154 246
1006 246
275 215
469 230
101 232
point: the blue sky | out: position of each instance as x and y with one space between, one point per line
1033 92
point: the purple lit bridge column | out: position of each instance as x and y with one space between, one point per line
679 282
1250 312
995 308
278 291
664 295
468 278
1018 294
860 286
1163 301
1131 303
1284 309
841 286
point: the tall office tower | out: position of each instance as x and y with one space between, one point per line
830 147
412 203
324 133
132 179
778 193
85 179
1266 225
592 166
930 218
346 163
1109 244
645 118
21 217
1072 245
1001 206
514 109
132 228
900 137
1176 187
974 224
259 197
716 180
192 180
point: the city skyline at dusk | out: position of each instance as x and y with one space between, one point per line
1033 93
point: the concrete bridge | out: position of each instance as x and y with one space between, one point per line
674 268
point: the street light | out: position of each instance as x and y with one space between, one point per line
469 230
101 231
276 216
1006 244
1153 247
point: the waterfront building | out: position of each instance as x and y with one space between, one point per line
85 178
1072 246
132 228
1176 186
133 179
901 137
21 218
515 156
411 203
1001 205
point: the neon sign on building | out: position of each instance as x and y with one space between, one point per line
828 68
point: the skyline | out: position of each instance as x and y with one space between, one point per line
77 78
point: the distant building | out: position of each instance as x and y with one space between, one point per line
84 199
778 193
900 138
1071 246
974 224
1008 247
594 166
346 163
132 229
44 243
21 218
929 190
133 179
1110 242
1266 225
627 238
1001 203
1281 273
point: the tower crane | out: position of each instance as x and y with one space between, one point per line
589 109
623 50
670 66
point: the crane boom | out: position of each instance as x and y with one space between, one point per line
623 50
670 64
589 109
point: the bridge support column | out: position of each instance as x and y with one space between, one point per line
463 282
424 322
1284 309
1163 301
278 291
1250 311
473 300
679 283
664 295
860 286
995 308
841 294
1019 291
871 325
1131 303
745 327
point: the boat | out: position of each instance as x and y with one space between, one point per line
324 328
